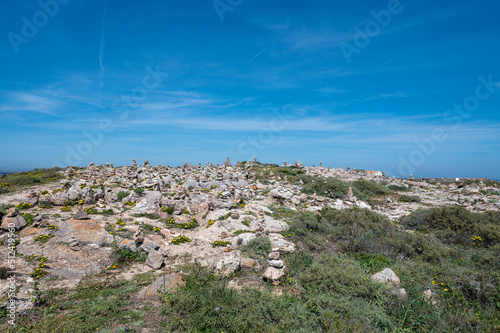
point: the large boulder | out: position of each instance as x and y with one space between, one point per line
227 263
13 220
191 183
165 283
86 232
198 203
32 199
155 259
81 215
59 198
282 195
388 277
149 204
273 274
68 264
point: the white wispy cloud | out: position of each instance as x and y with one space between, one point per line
29 102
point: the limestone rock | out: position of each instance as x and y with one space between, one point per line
164 283
59 198
150 204
154 260
199 203
81 215
17 222
281 194
227 263
274 256
88 232
273 274
248 263
389 277
275 263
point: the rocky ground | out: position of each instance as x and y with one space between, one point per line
177 215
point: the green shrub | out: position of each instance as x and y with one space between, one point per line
457 225
359 231
206 304
127 256
258 248
3 209
369 188
139 190
122 195
330 187
398 188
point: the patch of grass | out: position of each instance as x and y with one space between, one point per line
122 194
45 204
359 231
457 225
258 248
168 210
3 209
398 188
139 190
330 187
28 218
22 206
206 304
126 256
369 188
153 216
33 177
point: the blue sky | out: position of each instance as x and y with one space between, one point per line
401 86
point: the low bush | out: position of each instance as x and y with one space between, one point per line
396 188
369 188
122 195
457 225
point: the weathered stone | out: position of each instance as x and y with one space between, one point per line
150 204
11 212
128 244
275 263
274 255
248 263
199 203
69 264
429 297
227 263
164 283
389 277
273 274
81 215
154 260
88 232
17 222
59 198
